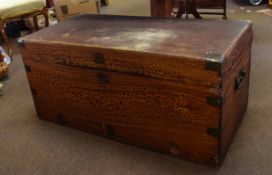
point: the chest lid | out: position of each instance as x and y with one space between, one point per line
191 51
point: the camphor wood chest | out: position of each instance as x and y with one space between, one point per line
173 86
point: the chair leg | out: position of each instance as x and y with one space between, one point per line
187 8
181 9
5 36
225 14
45 14
193 10
36 25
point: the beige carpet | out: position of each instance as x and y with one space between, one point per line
29 146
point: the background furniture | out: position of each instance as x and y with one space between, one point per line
164 8
18 10
198 7
214 5
3 66
187 7
161 8
105 2
1 87
49 3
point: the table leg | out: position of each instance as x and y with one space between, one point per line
161 8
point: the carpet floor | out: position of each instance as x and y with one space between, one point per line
30 146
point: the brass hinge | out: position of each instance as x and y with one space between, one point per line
217 161
21 42
213 66
33 91
109 131
213 62
60 119
215 132
215 101
39 114
27 68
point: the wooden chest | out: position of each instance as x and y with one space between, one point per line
173 86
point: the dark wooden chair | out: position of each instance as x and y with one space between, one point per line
20 16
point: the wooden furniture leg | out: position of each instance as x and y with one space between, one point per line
193 10
46 19
181 9
188 7
45 14
161 8
36 25
5 36
225 11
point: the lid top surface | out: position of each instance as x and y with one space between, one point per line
198 39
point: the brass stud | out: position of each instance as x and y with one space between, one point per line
99 58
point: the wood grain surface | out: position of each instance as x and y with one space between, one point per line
162 111
141 64
182 104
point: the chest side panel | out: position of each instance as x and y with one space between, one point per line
235 82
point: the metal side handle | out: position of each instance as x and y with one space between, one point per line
239 80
